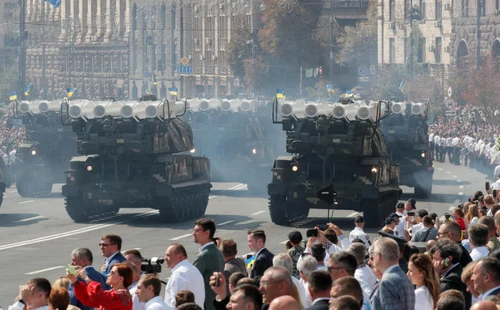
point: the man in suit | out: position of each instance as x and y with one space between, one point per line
486 278
319 286
263 258
395 289
111 246
210 259
83 258
428 232
446 259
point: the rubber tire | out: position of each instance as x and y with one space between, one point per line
76 210
374 217
424 192
23 189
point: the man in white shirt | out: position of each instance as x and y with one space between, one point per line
132 289
363 273
185 276
486 278
358 232
33 295
478 238
401 226
148 290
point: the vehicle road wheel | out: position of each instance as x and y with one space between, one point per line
25 187
77 210
374 213
423 190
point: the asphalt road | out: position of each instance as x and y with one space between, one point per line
37 236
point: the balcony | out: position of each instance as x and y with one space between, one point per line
347 9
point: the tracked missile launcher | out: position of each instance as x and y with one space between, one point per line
134 155
337 146
406 134
238 137
47 147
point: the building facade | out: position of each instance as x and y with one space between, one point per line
9 29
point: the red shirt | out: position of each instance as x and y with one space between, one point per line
92 295
461 223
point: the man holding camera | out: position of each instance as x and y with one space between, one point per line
185 276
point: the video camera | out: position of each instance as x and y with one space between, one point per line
152 265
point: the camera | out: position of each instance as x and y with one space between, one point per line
152 265
411 213
311 233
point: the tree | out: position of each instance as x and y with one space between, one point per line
8 78
239 49
387 84
359 44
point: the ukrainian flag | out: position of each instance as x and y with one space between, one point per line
27 89
172 91
250 261
279 94
329 88
70 91
13 96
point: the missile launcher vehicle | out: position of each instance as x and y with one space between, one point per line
42 158
338 147
134 154
406 134
238 137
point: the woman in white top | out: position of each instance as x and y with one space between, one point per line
422 275
473 215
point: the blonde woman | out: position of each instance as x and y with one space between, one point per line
421 273
473 215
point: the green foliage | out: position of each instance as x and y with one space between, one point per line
386 85
238 51
8 77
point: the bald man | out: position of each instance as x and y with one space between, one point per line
484 305
285 303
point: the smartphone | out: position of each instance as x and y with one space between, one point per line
217 281
72 269
487 185
311 233
411 213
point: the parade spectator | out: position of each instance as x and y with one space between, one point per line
210 259
472 216
452 231
428 232
111 246
135 257
91 294
295 239
358 232
34 295
486 278
234 278
183 297
284 260
245 297
189 306
342 264
58 299
320 283
450 303
459 217
306 266
344 303
148 290
478 238
318 252
467 279
488 203
401 226
422 275
263 258
136 275
493 242
484 305
275 282
349 286
446 259
395 290
232 263
363 273
185 276
284 303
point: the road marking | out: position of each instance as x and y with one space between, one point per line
212 197
30 218
225 223
246 222
180 237
440 169
27 201
459 181
354 214
451 208
461 187
461 193
455 176
258 212
43 270
236 187
448 172
71 232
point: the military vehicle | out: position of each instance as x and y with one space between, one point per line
337 147
47 147
406 134
134 155
238 137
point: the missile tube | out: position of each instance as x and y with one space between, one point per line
81 108
212 104
286 108
417 109
45 106
398 108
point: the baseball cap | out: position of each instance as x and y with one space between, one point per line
422 213
359 219
412 202
389 220
395 215
400 205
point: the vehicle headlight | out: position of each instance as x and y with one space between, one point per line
423 154
374 170
33 152
295 168
89 168
254 151
192 150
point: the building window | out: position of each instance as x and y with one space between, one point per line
422 8
465 8
483 7
438 48
421 51
392 10
439 9
406 49
392 50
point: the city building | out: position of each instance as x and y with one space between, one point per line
9 19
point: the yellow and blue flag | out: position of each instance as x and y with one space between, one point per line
329 88
280 94
250 261
27 89
70 91
13 96
172 91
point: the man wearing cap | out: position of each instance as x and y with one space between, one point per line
417 224
401 227
391 222
358 231
410 205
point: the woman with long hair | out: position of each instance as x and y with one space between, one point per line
473 215
422 274
459 218
91 294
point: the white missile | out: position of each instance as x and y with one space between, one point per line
338 111
417 109
24 107
286 108
194 104
100 110
212 104
248 105
46 106
81 109
398 108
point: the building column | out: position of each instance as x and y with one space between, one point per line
98 19
107 21
127 20
64 9
89 18
81 30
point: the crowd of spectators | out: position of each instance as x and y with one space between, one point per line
11 136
